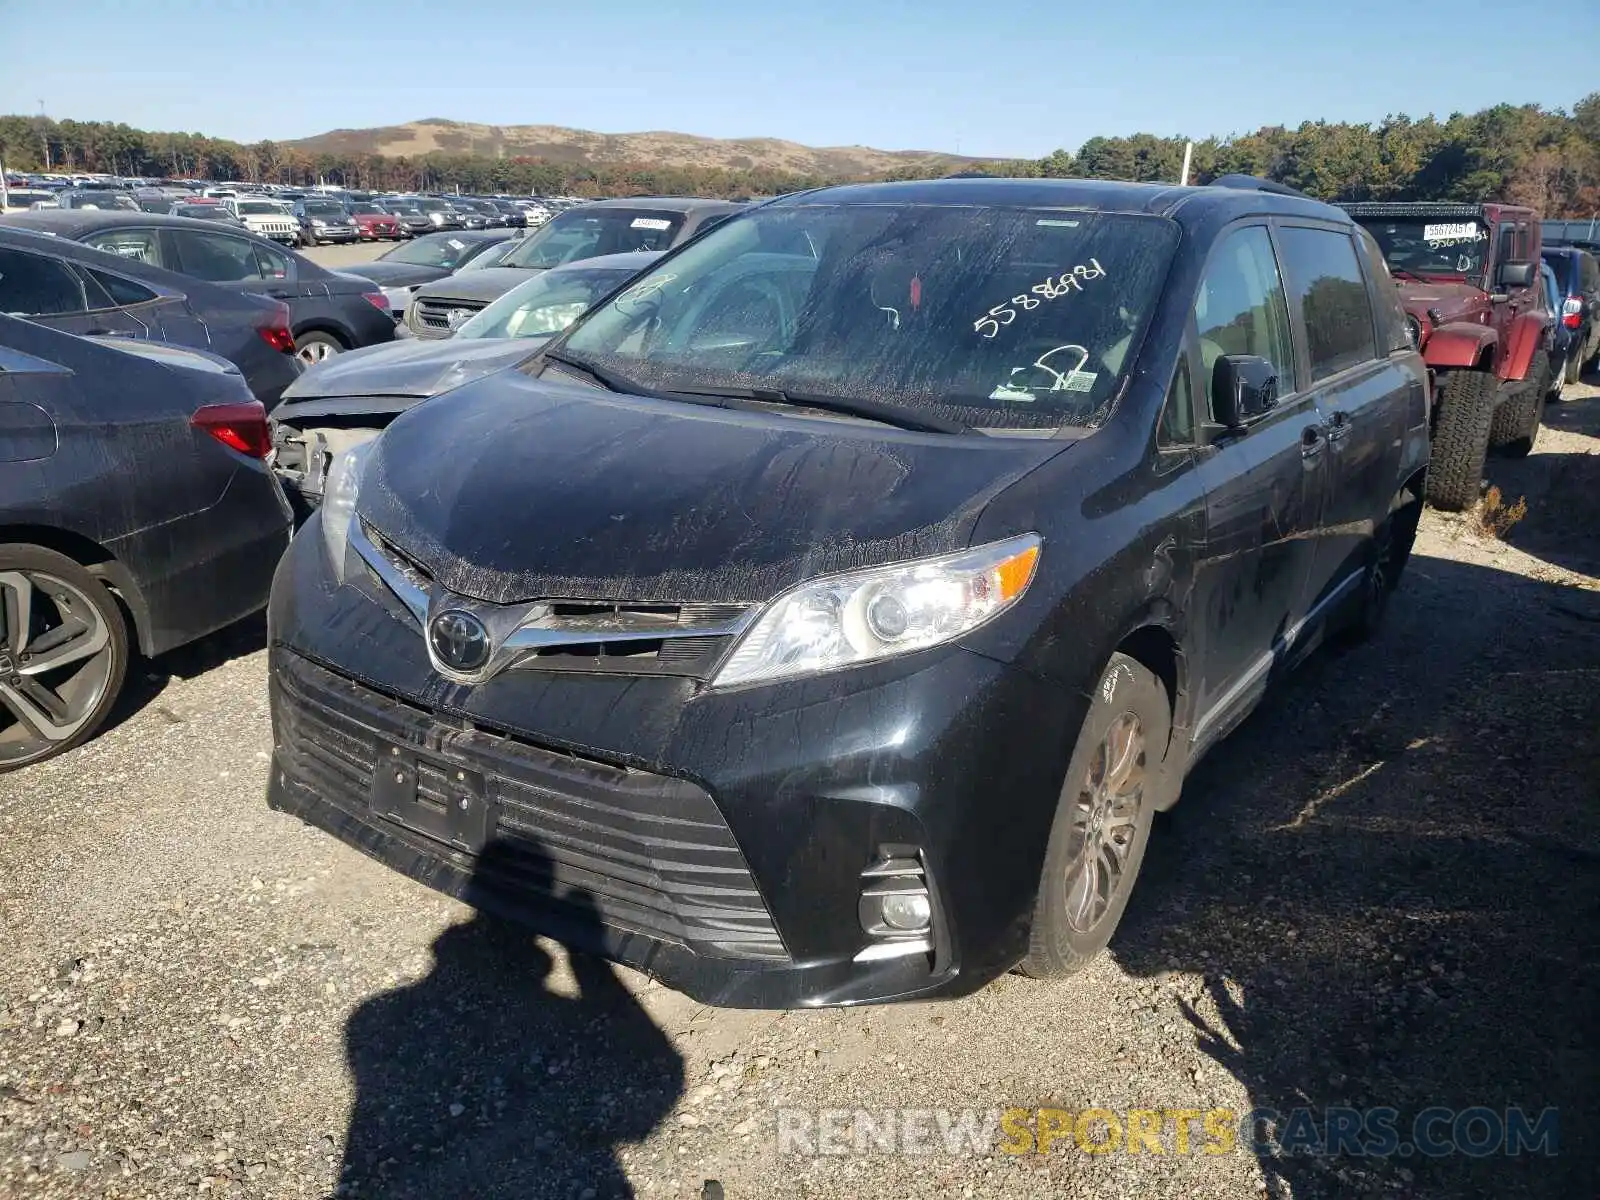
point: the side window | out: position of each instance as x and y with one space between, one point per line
1327 290
123 292
273 264
32 285
1505 247
216 257
1241 308
142 245
1177 418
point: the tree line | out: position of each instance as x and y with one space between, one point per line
1522 154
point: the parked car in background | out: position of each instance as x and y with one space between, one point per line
1577 275
329 311
266 217
605 227
70 287
133 482
441 213
512 215
433 256
1468 275
93 198
374 222
207 211
324 220
408 215
347 401
866 503
22 199
470 216
1562 345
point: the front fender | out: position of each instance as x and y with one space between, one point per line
1458 345
1527 332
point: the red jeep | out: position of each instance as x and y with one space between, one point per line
1468 276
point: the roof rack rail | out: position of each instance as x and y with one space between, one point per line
1255 183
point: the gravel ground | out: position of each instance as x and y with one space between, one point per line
1381 891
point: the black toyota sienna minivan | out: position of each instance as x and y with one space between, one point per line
824 616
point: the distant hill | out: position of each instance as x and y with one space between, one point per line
557 144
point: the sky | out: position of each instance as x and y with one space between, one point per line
983 77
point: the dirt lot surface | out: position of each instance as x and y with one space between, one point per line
336 257
1380 892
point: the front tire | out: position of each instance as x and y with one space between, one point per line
1466 411
63 654
1102 822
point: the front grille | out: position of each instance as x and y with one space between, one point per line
648 853
591 635
435 314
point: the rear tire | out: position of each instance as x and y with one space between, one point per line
315 346
1102 822
1466 411
65 705
1517 420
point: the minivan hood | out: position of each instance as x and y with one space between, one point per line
521 489
488 283
411 367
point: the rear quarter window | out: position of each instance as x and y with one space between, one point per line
1390 313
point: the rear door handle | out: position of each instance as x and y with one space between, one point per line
1338 425
1313 441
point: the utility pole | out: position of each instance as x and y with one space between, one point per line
1188 157
44 135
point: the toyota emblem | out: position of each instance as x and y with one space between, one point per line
459 640
457 317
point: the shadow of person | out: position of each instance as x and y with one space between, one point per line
482 1079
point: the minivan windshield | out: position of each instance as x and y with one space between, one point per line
996 318
590 234
1431 248
324 208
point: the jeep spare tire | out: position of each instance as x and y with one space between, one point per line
1466 402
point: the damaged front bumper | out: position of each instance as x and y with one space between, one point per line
721 841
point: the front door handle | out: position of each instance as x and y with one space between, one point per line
1338 425
1313 441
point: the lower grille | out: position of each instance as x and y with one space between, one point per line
647 853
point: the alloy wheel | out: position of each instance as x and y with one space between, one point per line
56 662
314 352
1105 823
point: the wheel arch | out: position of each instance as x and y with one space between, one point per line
344 336
98 561
1152 644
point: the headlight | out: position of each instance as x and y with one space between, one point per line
340 491
318 222
864 616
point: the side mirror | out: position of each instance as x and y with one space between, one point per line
1516 274
1243 386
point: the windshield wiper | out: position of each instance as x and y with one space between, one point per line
876 410
614 381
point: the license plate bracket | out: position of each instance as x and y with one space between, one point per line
438 799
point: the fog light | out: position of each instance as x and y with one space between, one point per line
910 913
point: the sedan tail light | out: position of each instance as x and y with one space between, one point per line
1572 313
241 427
378 301
275 330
